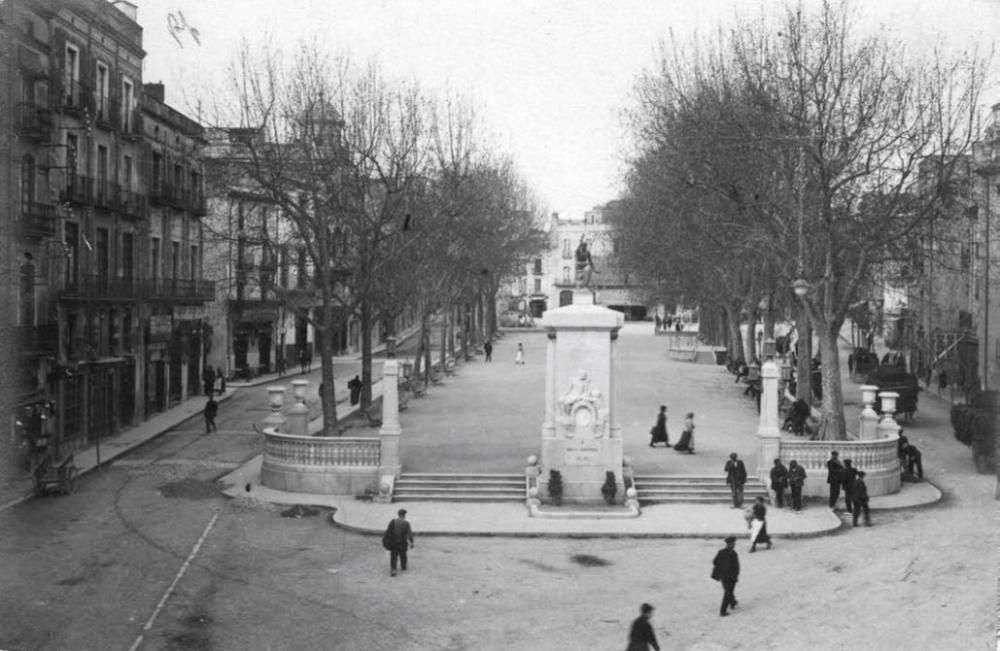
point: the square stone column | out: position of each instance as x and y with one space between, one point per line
768 432
581 440
389 461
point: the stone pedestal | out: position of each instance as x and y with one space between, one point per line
868 420
768 432
298 414
580 437
389 465
275 399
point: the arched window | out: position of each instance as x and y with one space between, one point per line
27 181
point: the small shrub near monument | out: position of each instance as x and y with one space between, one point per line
555 487
610 488
975 425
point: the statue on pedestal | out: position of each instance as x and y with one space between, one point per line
584 264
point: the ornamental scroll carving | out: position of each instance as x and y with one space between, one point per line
582 411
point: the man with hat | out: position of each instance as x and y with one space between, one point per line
736 476
726 568
397 539
641 637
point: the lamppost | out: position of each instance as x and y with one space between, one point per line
987 161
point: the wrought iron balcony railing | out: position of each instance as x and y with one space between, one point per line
178 289
34 121
37 220
79 189
93 286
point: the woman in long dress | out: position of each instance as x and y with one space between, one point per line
758 526
659 432
686 444
519 358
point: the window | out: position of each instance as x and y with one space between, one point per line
72 152
194 262
175 260
178 178
127 101
71 246
27 181
538 285
102 91
103 258
566 278
71 76
154 258
128 257
102 172
157 172
127 173
538 266
567 248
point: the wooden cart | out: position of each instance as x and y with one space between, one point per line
55 474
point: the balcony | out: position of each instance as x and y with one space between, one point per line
79 189
108 113
34 121
31 63
194 201
107 194
131 124
165 194
76 97
38 339
132 204
98 286
37 220
179 290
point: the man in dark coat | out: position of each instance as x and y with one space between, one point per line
211 409
779 482
659 432
208 380
355 388
834 477
796 478
488 349
736 476
860 499
849 476
398 538
726 568
641 637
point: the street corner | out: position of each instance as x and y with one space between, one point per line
911 495
810 522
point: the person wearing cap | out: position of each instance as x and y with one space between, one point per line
736 476
642 637
726 568
398 538
796 479
860 499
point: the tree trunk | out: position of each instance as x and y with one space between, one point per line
803 374
325 335
769 319
427 349
833 399
366 355
735 338
750 338
444 338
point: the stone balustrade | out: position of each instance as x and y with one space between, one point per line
320 464
878 458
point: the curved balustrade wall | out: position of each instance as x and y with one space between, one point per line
879 459
320 464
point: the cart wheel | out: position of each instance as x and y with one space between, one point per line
69 482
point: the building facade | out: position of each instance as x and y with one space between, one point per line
81 205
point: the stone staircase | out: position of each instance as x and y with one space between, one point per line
445 487
668 489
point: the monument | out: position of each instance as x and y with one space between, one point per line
580 438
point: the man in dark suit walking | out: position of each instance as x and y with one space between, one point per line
860 499
398 538
779 481
736 476
488 348
834 477
726 568
641 637
848 477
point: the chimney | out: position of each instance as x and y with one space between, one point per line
154 91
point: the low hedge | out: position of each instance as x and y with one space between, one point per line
975 425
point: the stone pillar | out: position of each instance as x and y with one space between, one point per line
868 420
768 432
616 429
888 427
549 426
298 414
275 400
389 462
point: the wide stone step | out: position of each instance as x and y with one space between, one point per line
406 481
456 497
659 489
459 487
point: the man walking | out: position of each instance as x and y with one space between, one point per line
488 348
397 539
779 481
796 478
641 637
211 409
849 476
726 568
736 476
834 477
860 499
355 388
208 380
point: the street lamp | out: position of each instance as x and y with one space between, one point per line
801 287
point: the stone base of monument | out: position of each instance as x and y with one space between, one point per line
584 512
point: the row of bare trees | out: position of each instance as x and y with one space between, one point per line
805 147
394 199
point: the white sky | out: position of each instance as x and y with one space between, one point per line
552 76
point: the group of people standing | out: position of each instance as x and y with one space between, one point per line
840 476
659 434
